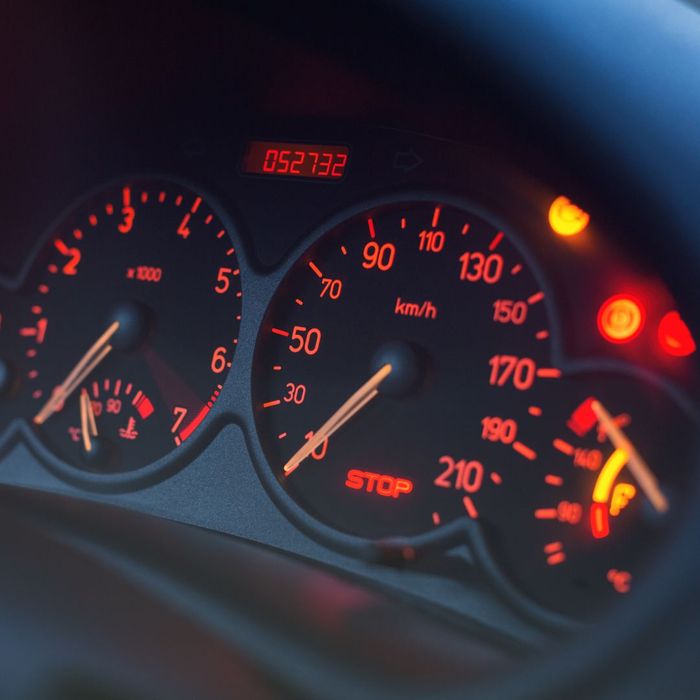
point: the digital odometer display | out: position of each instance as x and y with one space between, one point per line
296 160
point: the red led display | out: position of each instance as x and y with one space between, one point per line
296 159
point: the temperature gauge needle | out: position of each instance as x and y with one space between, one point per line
88 424
639 468
350 408
87 363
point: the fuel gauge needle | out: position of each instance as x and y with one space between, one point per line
640 469
357 401
88 424
87 363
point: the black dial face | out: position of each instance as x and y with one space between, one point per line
448 303
131 321
407 375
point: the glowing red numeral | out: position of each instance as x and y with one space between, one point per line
296 162
509 311
477 267
305 339
218 360
127 222
588 459
460 474
521 370
379 256
497 429
324 164
113 406
149 274
179 412
320 452
223 281
339 165
569 512
431 241
314 155
332 288
296 393
270 162
73 255
183 229
283 162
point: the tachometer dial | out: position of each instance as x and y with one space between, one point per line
132 318
393 344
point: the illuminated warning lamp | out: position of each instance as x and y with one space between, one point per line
620 319
565 218
675 336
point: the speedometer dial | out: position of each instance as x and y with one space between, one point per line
392 344
130 326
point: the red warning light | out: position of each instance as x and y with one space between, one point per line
382 484
675 336
620 319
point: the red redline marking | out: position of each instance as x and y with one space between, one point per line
553 480
542 335
538 296
553 547
516 269
546 514
469 506
534 411
563 446
436 216
496 478
299 302
524 450
465 229
548 373
557 558
279 331
436 518
496 241
184 434
270 404
314 268
370 224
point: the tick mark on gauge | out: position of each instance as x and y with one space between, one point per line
548 373
436 216
542 335
403 222
538 296
209 219
465 229
78 234
563 447
516 269
496 478
496 241
524 450
277 368
221 233
553 480
161 197
343 250
436 518
93 220
370 225
535 411
279 331
281 436
299 302
144 197
315 269
270 404
546 514
469 506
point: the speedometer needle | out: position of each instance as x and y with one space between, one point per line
639 468
351 407
88 424
87 363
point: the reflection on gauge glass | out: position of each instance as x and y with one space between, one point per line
131 322
405 377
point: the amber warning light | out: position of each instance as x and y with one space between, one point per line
296 160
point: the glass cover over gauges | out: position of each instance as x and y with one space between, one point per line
131 315
408 375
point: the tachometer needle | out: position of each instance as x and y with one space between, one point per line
639 468
87 363
88 424
351 407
